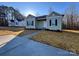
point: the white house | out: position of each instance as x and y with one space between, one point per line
52 21
31 22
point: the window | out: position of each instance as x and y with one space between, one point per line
50 22
32 23
56 22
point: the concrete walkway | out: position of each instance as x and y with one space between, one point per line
6 38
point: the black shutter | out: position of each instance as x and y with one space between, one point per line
50 22
27 23
56 22
32 23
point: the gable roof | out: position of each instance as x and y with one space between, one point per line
30 16
41 17
56 13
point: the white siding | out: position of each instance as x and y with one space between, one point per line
29 20
21 23
17 23
53 26
12 23
45 24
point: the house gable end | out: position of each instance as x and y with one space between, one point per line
54 14
30 16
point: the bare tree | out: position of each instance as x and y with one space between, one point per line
71 17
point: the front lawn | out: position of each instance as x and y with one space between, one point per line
67 40
10 31
15 31
27 32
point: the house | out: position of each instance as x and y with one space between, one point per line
10 17
30 22
52 21
15 18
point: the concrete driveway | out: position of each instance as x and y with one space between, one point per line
23 46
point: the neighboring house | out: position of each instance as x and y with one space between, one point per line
10 17
52 21
21 23
14 18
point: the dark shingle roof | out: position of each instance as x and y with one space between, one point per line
41 17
